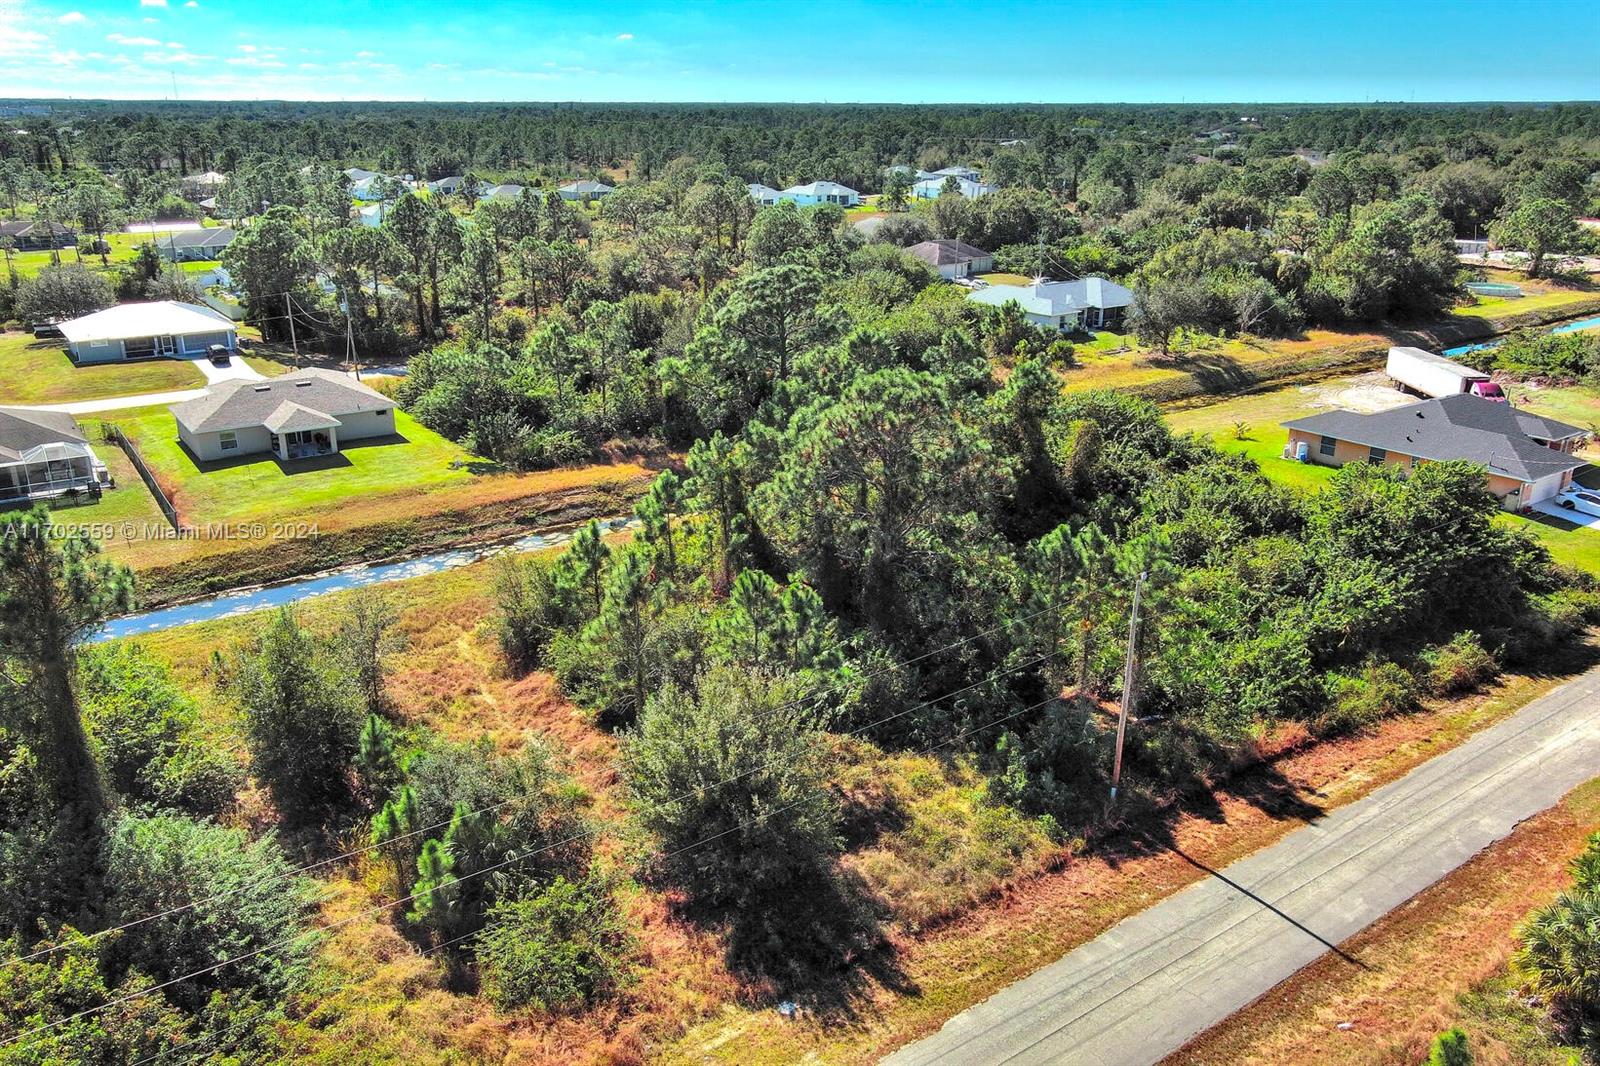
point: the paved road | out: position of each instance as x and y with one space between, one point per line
1146 986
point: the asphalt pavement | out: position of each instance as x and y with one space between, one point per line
1151 983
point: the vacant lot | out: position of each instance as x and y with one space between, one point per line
1539 295
1250 424
37 372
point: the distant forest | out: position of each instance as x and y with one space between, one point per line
760 142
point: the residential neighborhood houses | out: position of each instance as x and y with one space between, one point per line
28 235
1087 303
931 188
1529 458
584 191
953 259
194 245
147 331
43 454
298 416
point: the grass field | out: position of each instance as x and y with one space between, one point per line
123 248
123 515
1540 295
37 372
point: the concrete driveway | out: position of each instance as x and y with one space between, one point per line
1148 985
1575 516
236 370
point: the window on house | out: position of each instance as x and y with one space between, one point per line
1376 455
229 440
1327 446
381 413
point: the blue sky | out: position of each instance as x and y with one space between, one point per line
905 51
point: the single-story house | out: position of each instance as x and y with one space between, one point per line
147 331
376 187
584 190
1087 303
502 192
933 188
1474 247
821 192
372 215
194 245
298 416
964 173
44 454
763 195
356 174
447 186
1528 457
953 259
28 235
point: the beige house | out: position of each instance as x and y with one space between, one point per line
299 416
1528 458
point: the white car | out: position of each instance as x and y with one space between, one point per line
1580 500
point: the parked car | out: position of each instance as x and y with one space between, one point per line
218 354
1580 500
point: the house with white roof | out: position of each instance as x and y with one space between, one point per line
821 192
933 188
1087 303
584 190
43 454
372 215
297 416
965 173
503 192
763 195
147 331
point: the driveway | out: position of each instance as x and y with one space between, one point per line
236 370
1148 985
122 403
1575 516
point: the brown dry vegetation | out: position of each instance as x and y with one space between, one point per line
973 895
1415 964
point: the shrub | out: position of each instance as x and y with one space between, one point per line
302 719
1054 768
531 609
1459 666
731 781
62 292
1355 701
1450 1048
163 862
145 731
559 947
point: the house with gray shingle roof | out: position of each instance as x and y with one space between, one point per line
1528 458
953 259
43 454
298 416
584 190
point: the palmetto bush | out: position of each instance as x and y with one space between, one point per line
1559 952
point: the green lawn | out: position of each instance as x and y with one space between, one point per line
1005 279
262 488
123 248
34 372
123 514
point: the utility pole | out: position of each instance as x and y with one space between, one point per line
288 310
1130 671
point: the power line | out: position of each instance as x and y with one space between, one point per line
612 767
380 908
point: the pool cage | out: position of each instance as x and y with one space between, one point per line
45 471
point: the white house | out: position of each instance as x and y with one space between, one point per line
1088 303
584 190
298 416
372 215
147 331
965 173
933 188
44 454
821 192
763 195
502 192
447 186
953 259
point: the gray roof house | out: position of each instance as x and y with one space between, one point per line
502 192
448 186
301 415
584 190
31 235
195 245
1087 303
43 454
953 259
763 195
1529 458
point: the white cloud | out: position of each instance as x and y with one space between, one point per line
624 36
152 3
247 48
192 3
365 55
73 18
174 44
132 42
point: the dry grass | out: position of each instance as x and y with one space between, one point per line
1415 963
1034 921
